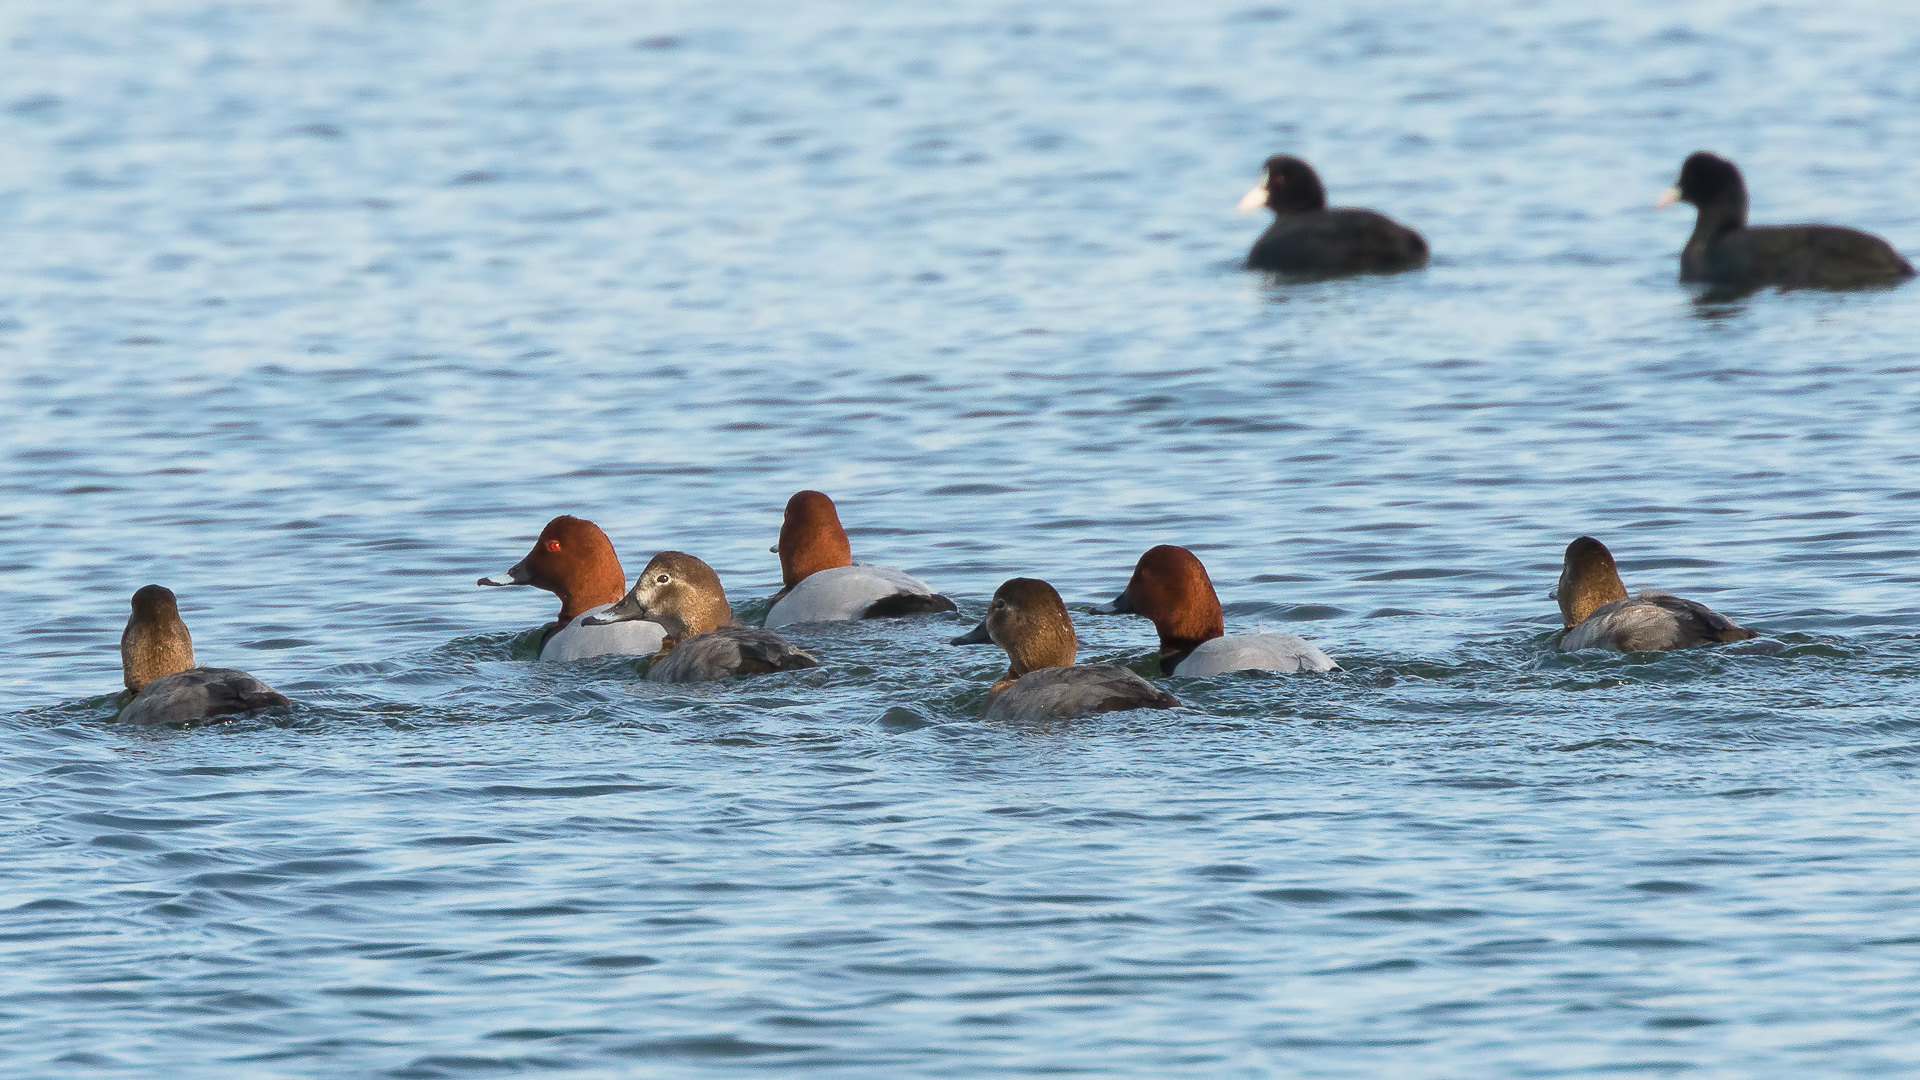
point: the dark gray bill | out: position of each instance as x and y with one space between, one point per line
1122 605
628 609
976 636
516 575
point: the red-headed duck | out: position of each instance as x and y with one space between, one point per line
1309 239
1171 587
1028 620
1725 251
574 560
820 581
683 594
156 658
1599 614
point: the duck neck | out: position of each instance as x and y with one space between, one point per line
154 649
588 590
1586 588
703 615
1043 648
1174 651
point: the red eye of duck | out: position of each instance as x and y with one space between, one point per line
553 545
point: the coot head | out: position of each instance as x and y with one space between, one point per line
1287 185
1706 179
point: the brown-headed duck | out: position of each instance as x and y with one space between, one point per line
1599 614
156 658
1727 252
1308 239
821 583
1171 587
683 594
1029 621
574 560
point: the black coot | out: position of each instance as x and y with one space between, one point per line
1724 252
1307 238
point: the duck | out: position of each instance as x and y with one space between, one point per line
1309 239
1029 621
683 594
1598 613
574 560
1725 251
163 684
820 581
1170 586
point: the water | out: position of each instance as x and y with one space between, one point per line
315 313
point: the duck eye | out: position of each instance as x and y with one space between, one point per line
662 579
553 545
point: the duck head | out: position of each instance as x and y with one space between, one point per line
811 538
1588 579
155 643
676 590
1171 587
1029 621
573 560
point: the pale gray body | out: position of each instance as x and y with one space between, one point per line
1254 652
198 694
575 641
1651 622
1058 693
844 593
728 651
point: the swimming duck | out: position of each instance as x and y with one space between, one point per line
574 560
156 659
1308 238
683 594
1724 250
1599 614
1042 682
1171 587
821 582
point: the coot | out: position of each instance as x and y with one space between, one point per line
1307 238
1725 252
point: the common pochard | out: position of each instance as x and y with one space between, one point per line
1599 614
1171 587
820 581
574 560
683 594
1028 620
156 660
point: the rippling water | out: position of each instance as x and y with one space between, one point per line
317 312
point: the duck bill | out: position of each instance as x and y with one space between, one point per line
976 636
629 609
517 574
1253 200
1667 198
1122 605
